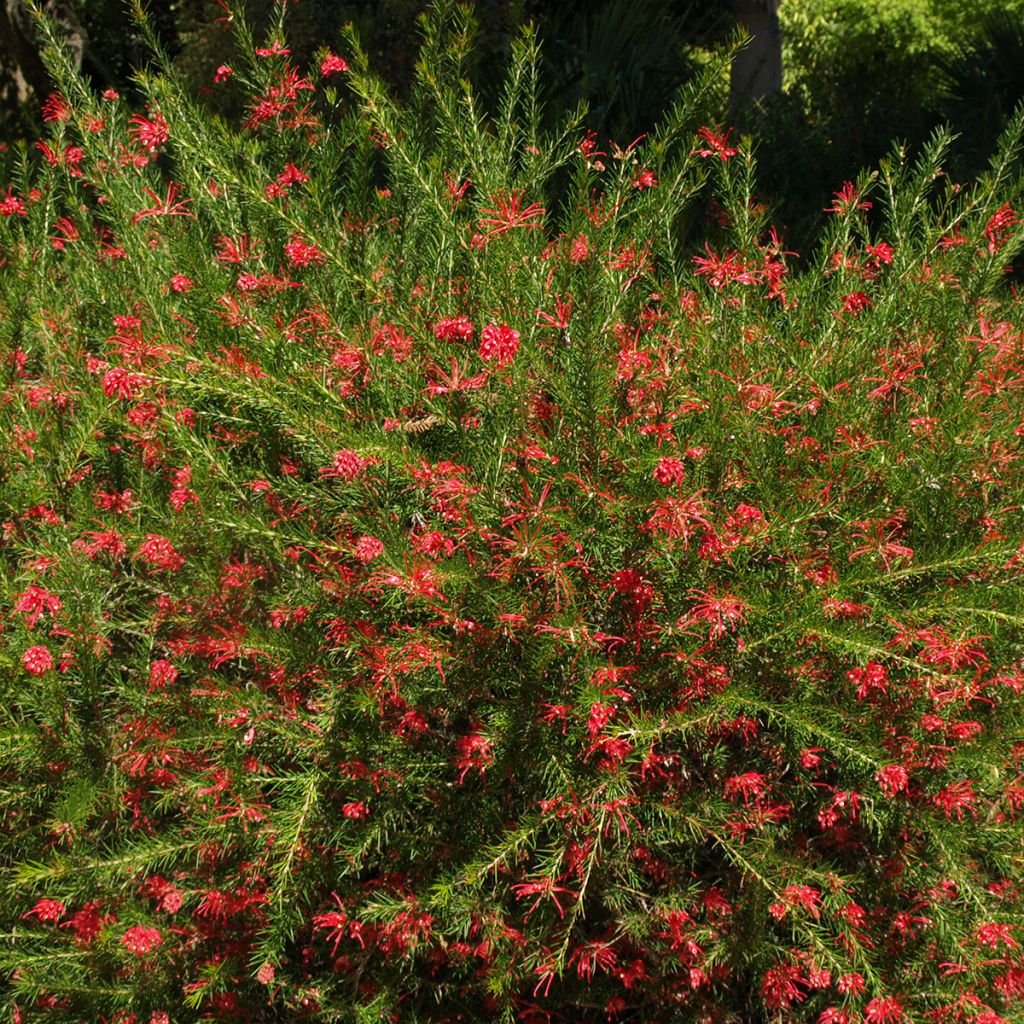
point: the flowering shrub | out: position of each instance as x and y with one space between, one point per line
435 595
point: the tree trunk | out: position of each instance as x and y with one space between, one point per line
757 68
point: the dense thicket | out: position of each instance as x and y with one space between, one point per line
453 569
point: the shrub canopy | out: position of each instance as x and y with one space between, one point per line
455 570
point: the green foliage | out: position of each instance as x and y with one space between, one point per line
627 74
454 569
861 73
981 81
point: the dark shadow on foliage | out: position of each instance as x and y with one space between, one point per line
625 59
980 85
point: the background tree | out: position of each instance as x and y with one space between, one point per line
757 68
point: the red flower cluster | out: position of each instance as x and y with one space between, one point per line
499 345
37 660
141 940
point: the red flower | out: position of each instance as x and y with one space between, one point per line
169 206
333 921
721 613
892 779
997 230
873 678
810 757
161 674
750 784
332 65
291 175
56 108
34 602
394 340
454 328
588 146
475 752
100 540
678 518
46 910
850 983
669 471
782 986
846 199
720 270
592 956
149 132
449 383
544 886
141 940
833 1015
119 383
302 254
992 935
70 156
717 145
367 549
37 660
499 344
159 553
509 213
855 302
956 797
882 253
941 649
347 465
406 930
883 1011
88 922
805 896
579 250
880 537
11 205
276 49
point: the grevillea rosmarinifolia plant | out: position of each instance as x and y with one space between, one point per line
457 572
